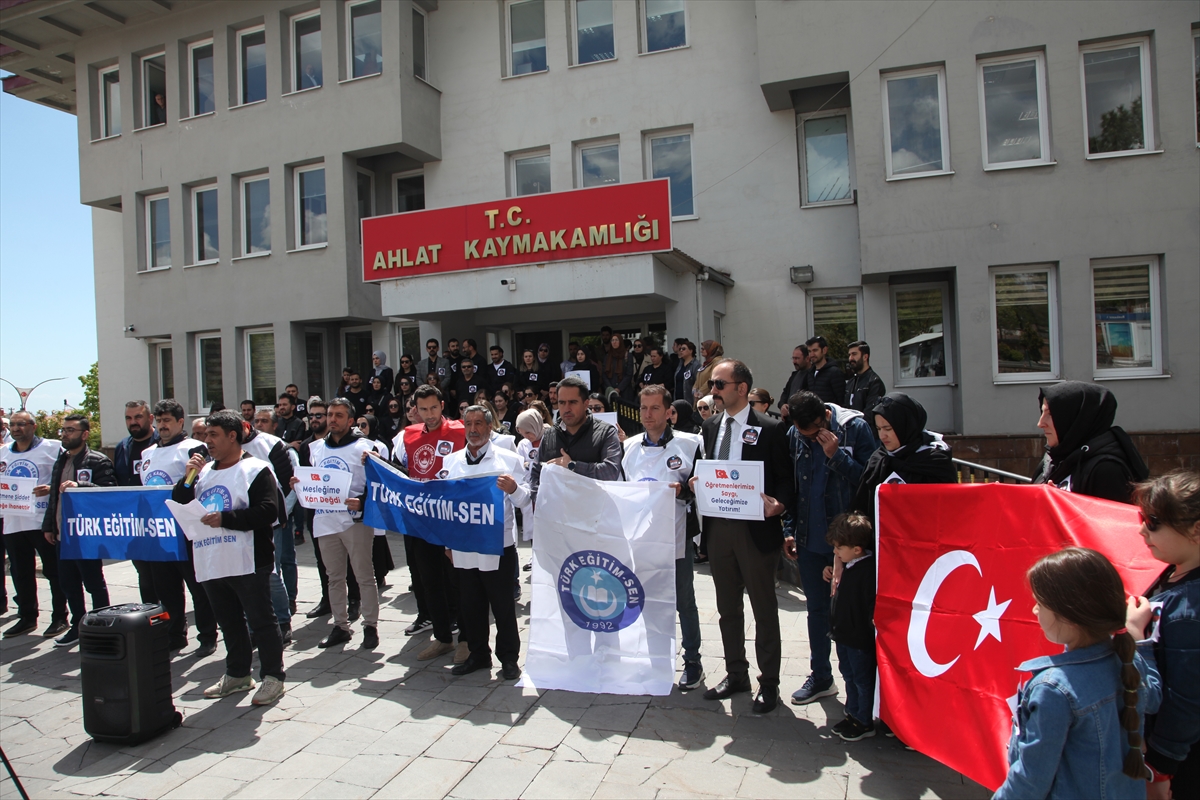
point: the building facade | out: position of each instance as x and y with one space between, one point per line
995 195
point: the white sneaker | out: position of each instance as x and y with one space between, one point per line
229 685
270 691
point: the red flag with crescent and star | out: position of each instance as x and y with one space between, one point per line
954 614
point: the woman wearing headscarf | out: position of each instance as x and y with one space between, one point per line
618 368
584 364
1085 452
380 369
909 452
531 427
713 354
381 553
684 417
378 394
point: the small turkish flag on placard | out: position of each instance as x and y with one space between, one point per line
954 614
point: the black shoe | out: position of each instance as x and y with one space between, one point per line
811 690
470 665
285 632
693 673
418 626
205 649
528 567
454 629
67 639
855 730
298 538
20 627
353 611
335 637
370 637
57 628
728 687
321 609
766 700
382 584
176 644
841 726
510 671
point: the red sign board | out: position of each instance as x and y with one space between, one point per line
533 229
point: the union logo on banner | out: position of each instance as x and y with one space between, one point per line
598 592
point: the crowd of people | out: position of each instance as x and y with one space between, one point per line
827 444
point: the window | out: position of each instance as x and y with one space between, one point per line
665 24
1015 124
531 173
306 52
154 90
1126 301
409 192
594 40
366 39
314 362
914 124
365 195
252 66
1025 321
260 366
835 315
826 171
110 102
1116 80
599 164
158 231
526 36
310 207
208 364
200 61
1196 67
671 157
420 45
166 372
206 244
359 347
921 313
256 215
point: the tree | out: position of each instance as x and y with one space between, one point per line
1120 129
91 392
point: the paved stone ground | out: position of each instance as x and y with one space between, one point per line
381 724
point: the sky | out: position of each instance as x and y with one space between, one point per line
47 291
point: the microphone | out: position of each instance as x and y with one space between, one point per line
190 478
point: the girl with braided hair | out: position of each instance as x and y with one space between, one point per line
1078 726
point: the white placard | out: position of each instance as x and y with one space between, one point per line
729 489
583 375
322 488
607 416
16 494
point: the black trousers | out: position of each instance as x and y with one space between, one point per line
353 595
737 565
480 591
381 557
169 580
246 599
411 558
22 547
75 576
441 590
145 573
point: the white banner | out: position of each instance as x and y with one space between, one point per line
608 416
583 375
16 494
729 489
322 488
602 617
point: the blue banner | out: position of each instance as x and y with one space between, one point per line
129 522
465 515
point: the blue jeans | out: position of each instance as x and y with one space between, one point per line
279 600
685 604
858 670
285 556
816 599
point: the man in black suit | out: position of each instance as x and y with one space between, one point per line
744 554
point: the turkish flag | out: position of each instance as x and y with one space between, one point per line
954 614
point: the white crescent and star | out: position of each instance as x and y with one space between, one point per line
922 607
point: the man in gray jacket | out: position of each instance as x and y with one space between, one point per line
579 442
435 364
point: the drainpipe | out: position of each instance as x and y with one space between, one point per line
701 277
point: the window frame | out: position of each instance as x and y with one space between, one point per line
246 334
513 158
1155 370
948 335
395 178
943 114
350 76
428 78
1148 121
147 98
643 8
295 45
243 207
812 294
195 192
593 144
574 43
1039 64
648 155
200 339
509 71
148 201
191 67
803 153
323 360
1055 330
1196 80
105 110
241 67
159 349
297 207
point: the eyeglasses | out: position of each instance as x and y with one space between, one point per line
316 416
1149 520
405 361
720 385
61 431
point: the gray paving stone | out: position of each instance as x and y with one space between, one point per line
497 779
790 784
592 746
538 731
466 742
334 790
425 778
373 771
306 765
566 779
700 777
282 789
623 718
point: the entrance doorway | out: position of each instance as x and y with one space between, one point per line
531 340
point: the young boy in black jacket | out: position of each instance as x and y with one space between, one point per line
851 621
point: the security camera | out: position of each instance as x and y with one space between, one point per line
129 329
511 283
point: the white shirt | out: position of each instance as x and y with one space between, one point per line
738 432
494 461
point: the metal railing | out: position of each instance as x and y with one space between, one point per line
967 472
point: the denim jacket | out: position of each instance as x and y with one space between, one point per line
1175 729
1067 740
845 469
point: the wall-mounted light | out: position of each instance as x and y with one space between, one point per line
801 275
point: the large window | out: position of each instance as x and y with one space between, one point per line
921 314
594 40
365 194
154 90
1126 302
306 52
914 123
110 101
158 231
314 362
260 366
252 66
365 30
1116 97
205 238
526 36
531 173
827 170
311 217
835 315
256 215
1025 321
200 63
1016 128
599 164
166 372
670 156
208 367
359 348
665 24
420 44
408 192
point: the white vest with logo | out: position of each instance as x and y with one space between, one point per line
220 552
494 462
165 465
347 458
671 464
36 462
260 447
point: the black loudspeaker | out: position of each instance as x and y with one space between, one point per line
126 673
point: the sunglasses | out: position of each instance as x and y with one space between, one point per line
720 385
317 416
758 402
1150 521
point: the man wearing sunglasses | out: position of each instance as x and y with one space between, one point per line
434 364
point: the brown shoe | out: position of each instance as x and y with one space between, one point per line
461 653
434 650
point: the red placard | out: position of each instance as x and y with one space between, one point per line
533 229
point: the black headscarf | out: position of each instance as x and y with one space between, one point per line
1081 412
1083 416
684 417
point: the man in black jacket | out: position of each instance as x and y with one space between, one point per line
499 372
864 389
77 465
744 554
127 461
288 426
825 378
579 441
799 367
465 384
